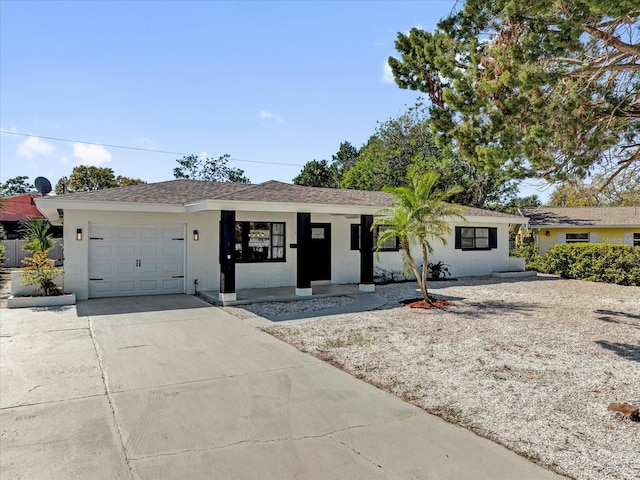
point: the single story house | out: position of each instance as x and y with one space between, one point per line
184 236
17 209
550 225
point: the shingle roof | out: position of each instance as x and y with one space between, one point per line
19 208
582 216
183 191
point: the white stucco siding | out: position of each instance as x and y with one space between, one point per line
201 257
465 263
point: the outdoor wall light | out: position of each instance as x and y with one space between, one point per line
547 233
196 236
79 234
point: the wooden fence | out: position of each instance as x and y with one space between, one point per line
14 252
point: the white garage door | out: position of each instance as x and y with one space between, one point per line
135 260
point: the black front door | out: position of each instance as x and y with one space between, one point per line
320 251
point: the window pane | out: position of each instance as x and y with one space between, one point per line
278 228
482 242
467 242
317 233
577 238
278 252
482 233
468 232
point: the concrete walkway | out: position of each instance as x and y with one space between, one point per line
171 387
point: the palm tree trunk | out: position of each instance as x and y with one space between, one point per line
425 271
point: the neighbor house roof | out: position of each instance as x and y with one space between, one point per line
545 217
19 208
184 192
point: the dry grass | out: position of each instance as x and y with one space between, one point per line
530 364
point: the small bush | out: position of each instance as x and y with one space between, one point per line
39 271
532 259
618 264
438 270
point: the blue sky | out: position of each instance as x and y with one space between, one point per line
273 84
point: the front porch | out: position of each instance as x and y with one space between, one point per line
280 294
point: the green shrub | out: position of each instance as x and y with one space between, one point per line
595 262
3 250
532 259
39 271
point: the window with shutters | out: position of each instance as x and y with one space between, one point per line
476 238
391 245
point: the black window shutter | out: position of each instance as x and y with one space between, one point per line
355 236
458 237
493 237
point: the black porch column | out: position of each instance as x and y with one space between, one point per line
366 252
303 240
227 252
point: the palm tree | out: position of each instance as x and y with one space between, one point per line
418 215
36 232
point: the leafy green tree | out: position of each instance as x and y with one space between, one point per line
318 174
551 86
420 214
15 186
212 169
404 147
85 178
37 235
345 158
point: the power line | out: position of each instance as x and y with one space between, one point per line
139 148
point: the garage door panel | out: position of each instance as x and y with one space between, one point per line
126 233
149 268
147 233
172 233
171 267
105 251
149 251
135 260
126 286
124 268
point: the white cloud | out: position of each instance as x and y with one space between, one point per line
387 74
264 115
34 147
91 154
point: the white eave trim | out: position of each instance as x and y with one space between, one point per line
279 207
110 206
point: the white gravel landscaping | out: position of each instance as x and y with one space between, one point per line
532 364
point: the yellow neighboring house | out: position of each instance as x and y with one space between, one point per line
550 225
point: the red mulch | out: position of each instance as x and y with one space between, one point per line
435 303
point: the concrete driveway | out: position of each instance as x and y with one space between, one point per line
171 387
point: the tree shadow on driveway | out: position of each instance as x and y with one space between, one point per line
624 318
624 350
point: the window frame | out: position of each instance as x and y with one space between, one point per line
356 242
492 238
635 240
576 239
245 226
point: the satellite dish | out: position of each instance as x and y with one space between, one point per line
42 185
